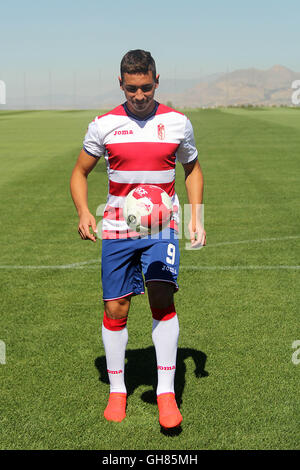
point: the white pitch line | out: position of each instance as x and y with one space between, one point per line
184 267
236 268
60 266
81 264
258 240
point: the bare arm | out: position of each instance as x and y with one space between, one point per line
194 186
79 192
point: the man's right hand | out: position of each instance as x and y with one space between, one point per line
87 221
78 186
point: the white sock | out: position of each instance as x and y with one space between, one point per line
115 343
165 338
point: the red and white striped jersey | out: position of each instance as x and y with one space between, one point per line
139 151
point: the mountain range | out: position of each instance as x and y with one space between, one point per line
240 87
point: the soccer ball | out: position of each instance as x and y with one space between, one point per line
147 209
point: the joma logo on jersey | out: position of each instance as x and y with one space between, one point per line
123 132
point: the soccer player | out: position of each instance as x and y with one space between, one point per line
141 141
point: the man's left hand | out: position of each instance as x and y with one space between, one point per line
197 235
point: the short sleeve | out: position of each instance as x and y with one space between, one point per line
92 143
187 151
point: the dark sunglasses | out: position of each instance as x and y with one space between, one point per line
134 89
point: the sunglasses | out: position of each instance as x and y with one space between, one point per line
134 89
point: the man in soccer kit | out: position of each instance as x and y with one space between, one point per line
141 141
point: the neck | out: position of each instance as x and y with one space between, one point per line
141 114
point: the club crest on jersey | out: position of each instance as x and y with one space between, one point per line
161 131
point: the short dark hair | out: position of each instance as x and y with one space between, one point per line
138 61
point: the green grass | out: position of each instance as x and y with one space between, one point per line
236 383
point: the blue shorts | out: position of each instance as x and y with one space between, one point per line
125 261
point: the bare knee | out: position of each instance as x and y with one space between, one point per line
118 308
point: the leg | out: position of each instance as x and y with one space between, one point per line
121 277
160 294
116 309
115 337
165 332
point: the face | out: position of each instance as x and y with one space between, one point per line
139 91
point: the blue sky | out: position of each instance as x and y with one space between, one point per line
188 38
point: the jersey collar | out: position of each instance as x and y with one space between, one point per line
137 118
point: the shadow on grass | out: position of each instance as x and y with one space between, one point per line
140 369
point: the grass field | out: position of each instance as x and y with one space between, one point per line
238 302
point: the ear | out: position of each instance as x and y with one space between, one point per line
120 83
157 81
